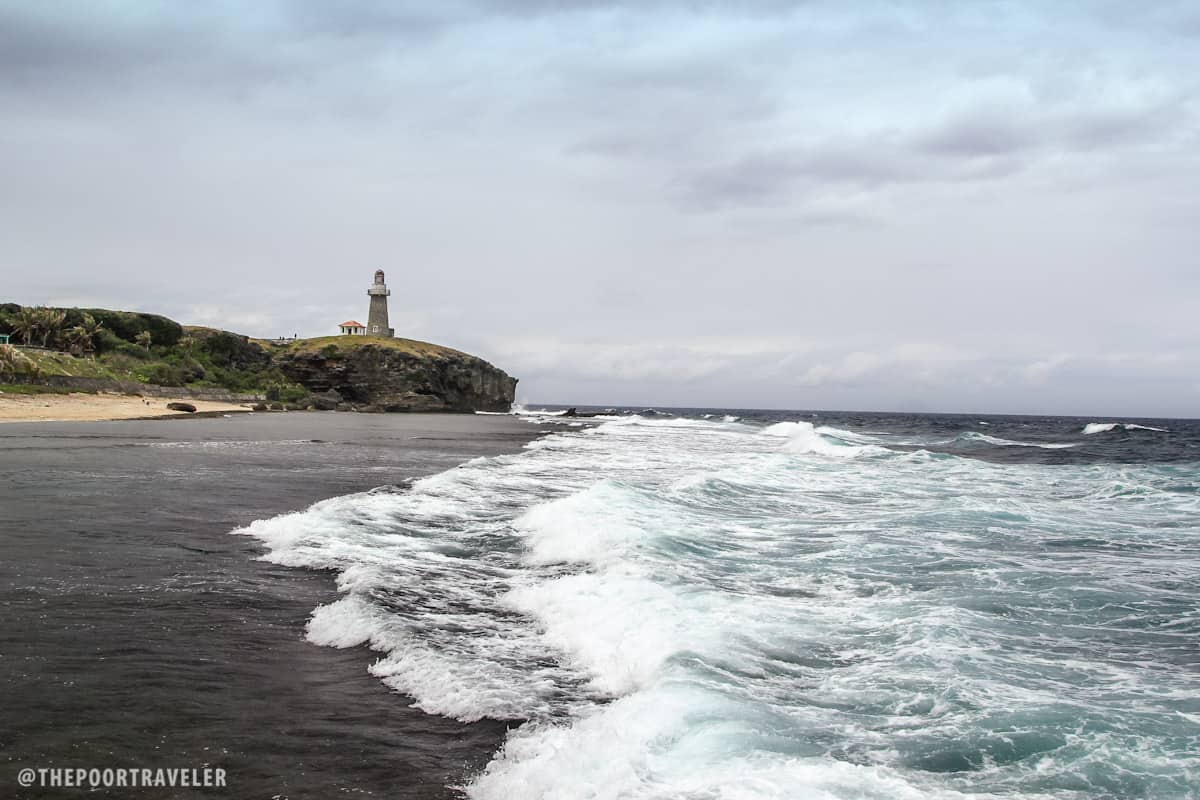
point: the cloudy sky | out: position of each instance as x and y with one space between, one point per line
957 205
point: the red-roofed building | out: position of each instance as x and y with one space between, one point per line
353 328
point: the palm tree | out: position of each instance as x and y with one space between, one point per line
77 340
27 324
144 339
82 338
92 328
51 322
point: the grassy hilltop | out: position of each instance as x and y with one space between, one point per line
332 344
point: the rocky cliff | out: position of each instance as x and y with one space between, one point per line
375 374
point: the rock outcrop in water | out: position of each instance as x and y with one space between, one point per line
373 374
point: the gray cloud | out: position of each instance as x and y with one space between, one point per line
1188 26
41 50
903 204
983 146
1014 132
765 178
365 19
981 136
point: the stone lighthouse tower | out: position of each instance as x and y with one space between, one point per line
377 317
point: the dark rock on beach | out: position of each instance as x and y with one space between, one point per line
327 401
188 407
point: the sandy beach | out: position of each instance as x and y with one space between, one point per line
99 407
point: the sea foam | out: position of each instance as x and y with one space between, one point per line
709 609
804 437
1104 427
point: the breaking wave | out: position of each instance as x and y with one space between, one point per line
690 608
1104 427
972 436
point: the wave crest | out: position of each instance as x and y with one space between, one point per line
804 437
1104 427
975 436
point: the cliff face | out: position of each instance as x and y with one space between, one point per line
394 375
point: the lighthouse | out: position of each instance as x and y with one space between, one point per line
377 316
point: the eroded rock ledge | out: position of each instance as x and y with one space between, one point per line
374 374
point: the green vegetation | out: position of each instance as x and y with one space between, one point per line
27 388
49 364
331 346
76 346
102 344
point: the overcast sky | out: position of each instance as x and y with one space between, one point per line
943 205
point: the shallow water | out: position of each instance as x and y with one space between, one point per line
135 632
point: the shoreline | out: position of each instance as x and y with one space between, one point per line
84 407
139 626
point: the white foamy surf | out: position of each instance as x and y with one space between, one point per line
972 436
1104 427
683 608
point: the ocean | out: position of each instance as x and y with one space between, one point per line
721 603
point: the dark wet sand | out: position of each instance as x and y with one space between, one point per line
136 632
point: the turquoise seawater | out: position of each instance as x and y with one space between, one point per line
724 605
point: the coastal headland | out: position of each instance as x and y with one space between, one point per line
151 360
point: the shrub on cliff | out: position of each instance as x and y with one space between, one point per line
7 312
128 325
162 375
286 392
229 350
109 342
